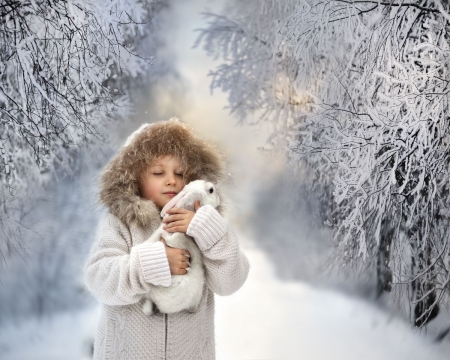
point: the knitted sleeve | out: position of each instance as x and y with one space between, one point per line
118 274
226 266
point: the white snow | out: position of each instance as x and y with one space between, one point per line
271 319
67 336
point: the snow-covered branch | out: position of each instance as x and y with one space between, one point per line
56 60
366 101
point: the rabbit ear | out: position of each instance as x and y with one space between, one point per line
187 202
171 204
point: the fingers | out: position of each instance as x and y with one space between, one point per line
175 223
172 218
179 272
180 221
176 253
177 211
179 228
178 260
184 265
182 257
176 226
182 268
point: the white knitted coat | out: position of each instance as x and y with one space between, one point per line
119 270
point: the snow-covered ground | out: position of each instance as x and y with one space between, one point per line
265 319
270 319
67 336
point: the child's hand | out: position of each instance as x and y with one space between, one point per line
179 219
178 259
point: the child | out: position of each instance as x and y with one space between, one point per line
146 173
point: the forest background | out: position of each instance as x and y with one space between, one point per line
347 102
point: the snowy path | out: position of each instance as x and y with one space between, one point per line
266 319
269 319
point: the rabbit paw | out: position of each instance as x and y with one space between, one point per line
147 308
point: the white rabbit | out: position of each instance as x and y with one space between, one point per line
186 290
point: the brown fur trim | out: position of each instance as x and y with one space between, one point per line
119 190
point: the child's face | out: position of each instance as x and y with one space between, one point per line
162 180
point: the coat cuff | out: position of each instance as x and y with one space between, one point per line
154 263
207 227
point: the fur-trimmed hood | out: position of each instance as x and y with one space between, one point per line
119 190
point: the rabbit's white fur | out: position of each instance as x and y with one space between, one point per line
185 291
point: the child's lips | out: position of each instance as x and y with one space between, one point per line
170 193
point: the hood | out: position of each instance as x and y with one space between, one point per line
119 190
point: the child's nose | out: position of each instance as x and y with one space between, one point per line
171 179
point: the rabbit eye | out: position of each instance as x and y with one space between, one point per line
211 190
